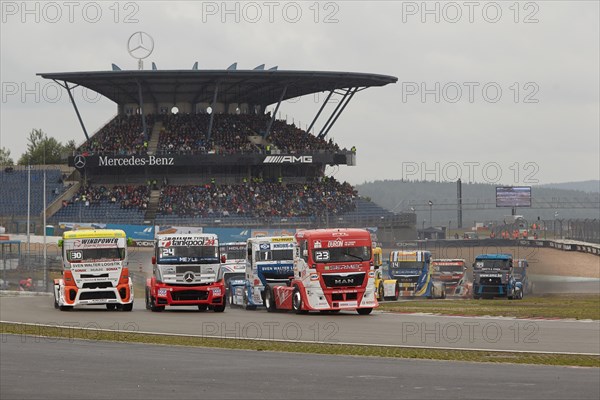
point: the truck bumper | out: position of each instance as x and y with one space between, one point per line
73 296
167 295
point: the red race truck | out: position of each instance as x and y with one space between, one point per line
449 271
333 271
185 269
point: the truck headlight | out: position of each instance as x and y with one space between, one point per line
216 291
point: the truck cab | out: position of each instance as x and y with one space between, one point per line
413 272
333 271
184 273
493 276
269 260
449 272
520 274
233 267
94 270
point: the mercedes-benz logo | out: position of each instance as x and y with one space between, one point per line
79 161
189 277
140 45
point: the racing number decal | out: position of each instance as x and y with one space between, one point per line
321 255
168 251
76 255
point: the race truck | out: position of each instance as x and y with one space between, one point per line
94 270
269 260
520 275
233 266
333 271
409 274
448 271
493 276
184 273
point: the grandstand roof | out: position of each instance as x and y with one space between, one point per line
261 87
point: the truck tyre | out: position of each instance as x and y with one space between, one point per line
55 301
380 292
127 307
202 307
111 307
396 292
230 297
65 308
297 301
219 308
364 311
151 304
270 300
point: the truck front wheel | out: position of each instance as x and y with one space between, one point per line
150 303
269 299
364 311
220 308
297 302
127 307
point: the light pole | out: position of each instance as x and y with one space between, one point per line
430 212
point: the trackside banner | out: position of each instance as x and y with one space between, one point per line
82 161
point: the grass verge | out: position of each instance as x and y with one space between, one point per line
309 348
584 306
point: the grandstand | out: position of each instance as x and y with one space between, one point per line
198 148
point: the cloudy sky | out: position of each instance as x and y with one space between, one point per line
499 92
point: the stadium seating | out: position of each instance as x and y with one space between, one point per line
13 200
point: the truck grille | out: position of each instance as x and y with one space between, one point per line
97 285
336 280
97 295
188 295
182 269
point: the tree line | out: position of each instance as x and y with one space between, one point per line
41 150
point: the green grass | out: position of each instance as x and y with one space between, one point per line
584 306
310 348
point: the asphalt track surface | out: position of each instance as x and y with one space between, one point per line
379 328
73 369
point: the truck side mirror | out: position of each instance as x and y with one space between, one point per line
153 259
223 259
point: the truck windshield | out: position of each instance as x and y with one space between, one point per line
275 255
234 252
496 265
113 253
342 254
448 268
189 254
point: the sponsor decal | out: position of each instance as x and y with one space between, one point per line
342 267
162 292
288 159
339 234
350 243
349 280
282 239
282 245
176 241
264 246
347 304
335 243
134 161
282 295
314 277
317 244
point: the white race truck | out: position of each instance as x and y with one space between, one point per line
94 270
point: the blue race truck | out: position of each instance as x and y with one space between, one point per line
269 261
493 276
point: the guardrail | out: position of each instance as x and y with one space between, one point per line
565 245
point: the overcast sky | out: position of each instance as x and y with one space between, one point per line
497 92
